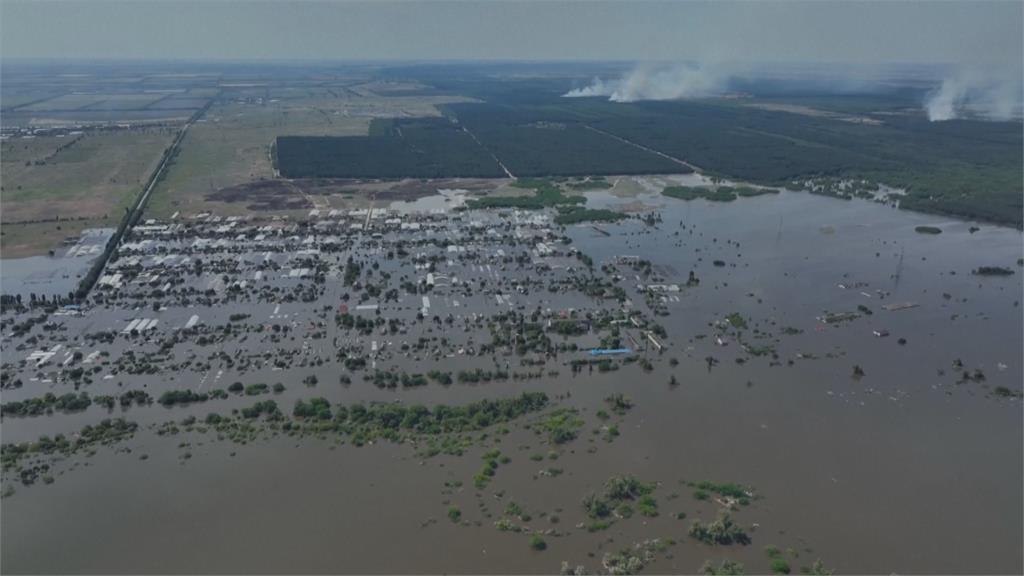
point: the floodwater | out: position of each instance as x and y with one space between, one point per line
900 470
57 275
444 200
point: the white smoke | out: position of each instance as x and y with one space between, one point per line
597 88
657 83
943 103
996 97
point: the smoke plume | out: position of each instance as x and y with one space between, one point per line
995 97
657 83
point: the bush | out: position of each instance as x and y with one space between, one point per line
726 568
316 407
561 425
256 389
454 514
779 566
268 407
722 531
538 543
647 506
172 397
727 489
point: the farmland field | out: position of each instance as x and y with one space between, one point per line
83 180
96 102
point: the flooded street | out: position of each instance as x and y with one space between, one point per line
841 364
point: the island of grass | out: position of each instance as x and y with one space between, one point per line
927 230
578 214
545 195
618 499
716 194
721 532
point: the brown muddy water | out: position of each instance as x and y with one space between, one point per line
901 470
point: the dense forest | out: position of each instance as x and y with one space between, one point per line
968 168
418 148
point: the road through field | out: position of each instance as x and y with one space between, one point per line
136 212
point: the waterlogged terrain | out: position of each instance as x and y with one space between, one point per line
56 275
783 379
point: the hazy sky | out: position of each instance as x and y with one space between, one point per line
974 31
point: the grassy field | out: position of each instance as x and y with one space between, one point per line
231 145
84 181
36 239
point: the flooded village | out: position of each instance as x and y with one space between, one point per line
505 287
630 393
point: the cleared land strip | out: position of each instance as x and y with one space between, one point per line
496 159
645 148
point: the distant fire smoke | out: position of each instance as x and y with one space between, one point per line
656 83
989 96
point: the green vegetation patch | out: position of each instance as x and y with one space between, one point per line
723 531
545 195
738 492
46 404
619 403
617 499
172 397
736 321
561 425
577 214
632 560
106 432
715 194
